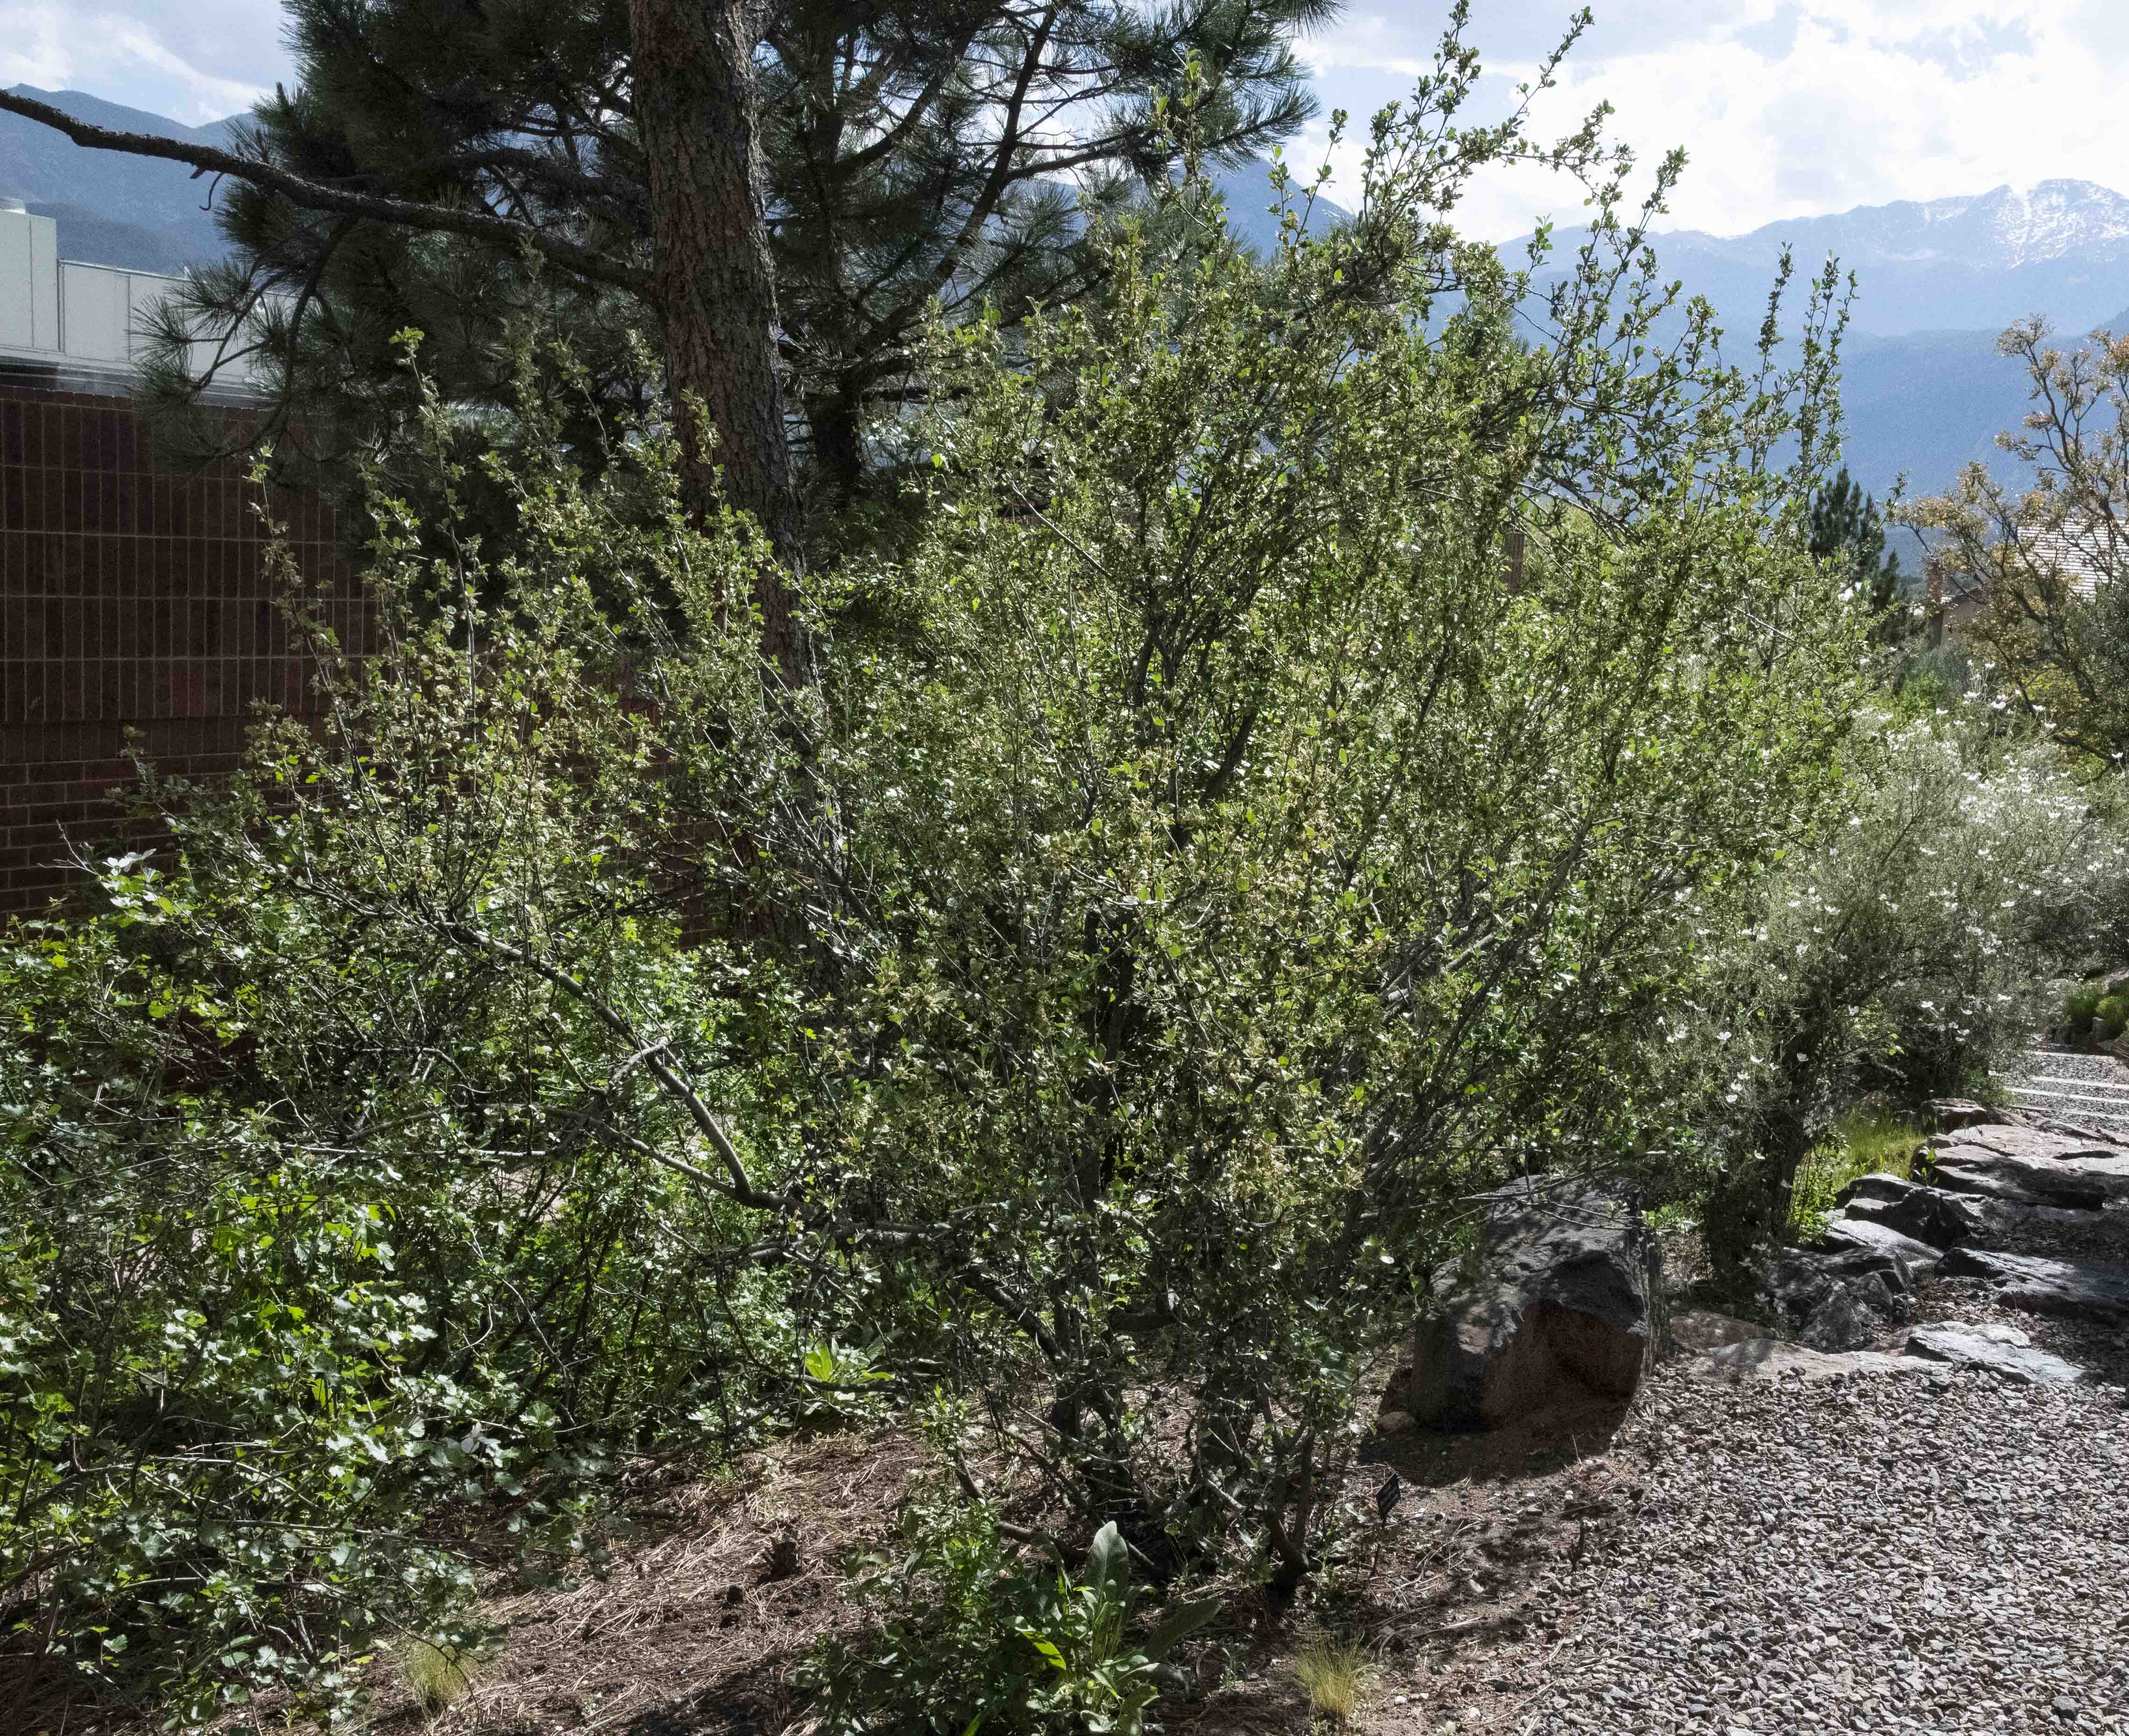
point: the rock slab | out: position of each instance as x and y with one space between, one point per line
1997 1350
2029 1167
1767 1359
1933 1216
1865 1236
1953 1113
2072 1290
1561 1310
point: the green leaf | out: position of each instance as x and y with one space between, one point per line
1109 1564
1178 1625
1056 1657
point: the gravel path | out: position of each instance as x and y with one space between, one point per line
1873 1552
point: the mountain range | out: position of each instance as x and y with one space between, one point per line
1924 388
1976 263
112 210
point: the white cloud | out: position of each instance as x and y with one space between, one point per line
192 60
1785 109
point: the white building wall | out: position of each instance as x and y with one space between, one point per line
96 314
29 284
63 310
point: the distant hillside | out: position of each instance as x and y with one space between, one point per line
111 209
1248 192
1931 402
1928 403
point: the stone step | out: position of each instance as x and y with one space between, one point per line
2083 1063
2034 1096
2104 1089
2113 1124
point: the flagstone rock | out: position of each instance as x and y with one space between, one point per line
1933 1216
2002 1351
1953 1113
2074 1290
2031 1166
1844 1233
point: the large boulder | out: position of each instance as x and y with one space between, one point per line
1929 1215
1560 1307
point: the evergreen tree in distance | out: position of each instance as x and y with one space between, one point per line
1844 525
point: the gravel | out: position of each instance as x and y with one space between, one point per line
1933 1552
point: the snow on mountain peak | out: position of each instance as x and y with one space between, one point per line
2057 218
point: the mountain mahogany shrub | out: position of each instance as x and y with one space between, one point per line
1194 871
1233 874
1905 948
2047 561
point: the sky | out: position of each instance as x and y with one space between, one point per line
1785 109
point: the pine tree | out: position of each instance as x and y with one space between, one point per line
907 154
1845 527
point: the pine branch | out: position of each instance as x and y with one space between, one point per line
318 196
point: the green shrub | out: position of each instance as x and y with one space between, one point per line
325 1226
2111 1014
1191 877
2080 1009
977 1636
1902 951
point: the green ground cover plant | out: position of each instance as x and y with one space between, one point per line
977 1634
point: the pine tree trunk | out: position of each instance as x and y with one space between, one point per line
838 451
692 70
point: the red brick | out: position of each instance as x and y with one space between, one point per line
128 599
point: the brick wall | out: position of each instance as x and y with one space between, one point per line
131 599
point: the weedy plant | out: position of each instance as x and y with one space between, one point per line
2080 1011
1863 1142
980 1637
